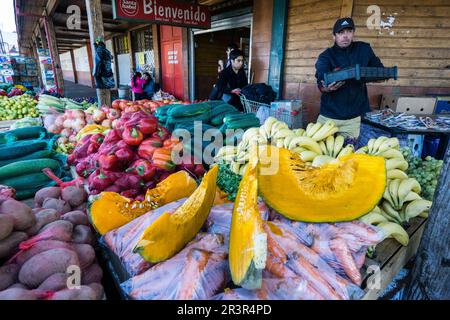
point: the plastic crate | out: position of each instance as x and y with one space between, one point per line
366 74
263 111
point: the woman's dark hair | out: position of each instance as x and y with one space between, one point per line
149 77
136 75
232 46
236 53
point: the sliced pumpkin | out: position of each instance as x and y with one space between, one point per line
341 191
110 210
171 232
248 242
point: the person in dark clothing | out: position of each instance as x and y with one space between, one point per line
149 86
230 47
232 79
103 75
345 101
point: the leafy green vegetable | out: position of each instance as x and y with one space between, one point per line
228 181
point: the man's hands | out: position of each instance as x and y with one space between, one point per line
236 91
332 86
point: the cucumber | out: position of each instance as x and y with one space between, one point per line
21 149
243 123
218 120
42 154
27 181
27 167
163 110
204 117
189 110
36 132
239 116
223 109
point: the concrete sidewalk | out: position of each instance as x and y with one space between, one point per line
73 90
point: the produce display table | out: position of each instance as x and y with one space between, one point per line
443 135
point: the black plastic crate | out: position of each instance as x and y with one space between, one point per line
365 74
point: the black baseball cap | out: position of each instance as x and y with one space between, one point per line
343 23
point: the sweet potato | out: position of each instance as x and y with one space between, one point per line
50 192
43 265
55 282
82 207
8 275
22 294
10 245
6 226
22 215
39 247
74 196
92 274
76 217
58 230
83 293
37 210
99 291
43 218
59 205
86 254
83 234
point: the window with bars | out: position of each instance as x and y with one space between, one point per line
121 44
142 40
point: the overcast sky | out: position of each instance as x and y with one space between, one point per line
7 20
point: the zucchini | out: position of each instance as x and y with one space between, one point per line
204 117
218 119
239 116
189 110
162 111
22 148
27 167
27 181
42 154
223 109
35 132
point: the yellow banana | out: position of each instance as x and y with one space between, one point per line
298 150
387 208
312 128
396 174
329 142
411 196
363 150
393 190
299 132
280 143
277 127
405 187
323 147
347 150
324 131
416 207
338 144
387 194
378 143
235 167
396 164
270 121
283 133
287 141
320 160
388 217
393 230
391 154
242 169
308 155
370 145
305 142
373 218
391 143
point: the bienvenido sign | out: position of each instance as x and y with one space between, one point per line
163 12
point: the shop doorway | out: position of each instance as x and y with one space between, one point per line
209 46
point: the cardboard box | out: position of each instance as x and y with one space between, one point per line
409 104
442 105
286 105
7 72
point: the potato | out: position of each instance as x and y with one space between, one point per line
58 230
55 282
43 265
60 206
6 226
74 196
8 275
10 245
43 217
92 274
82 207
76 217
21 294
39 247
86 254
83 293
22 215
83 234
99 291
50 192
19 285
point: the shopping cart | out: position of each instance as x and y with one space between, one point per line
263 111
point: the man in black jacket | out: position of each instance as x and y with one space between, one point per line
345 101
232 79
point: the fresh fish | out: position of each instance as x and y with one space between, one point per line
345 258
365 232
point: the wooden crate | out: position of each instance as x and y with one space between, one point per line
391 257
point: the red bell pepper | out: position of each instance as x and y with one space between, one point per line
132 136
170 143
97 138
125 155
199 170
93 148
100 182
148 147
144 169
148 125
109 162
162 158
161 133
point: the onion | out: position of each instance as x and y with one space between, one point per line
99 115
107 123
78 113
114 123
66 132
68 123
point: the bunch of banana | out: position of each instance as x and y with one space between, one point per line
389 229
319 132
